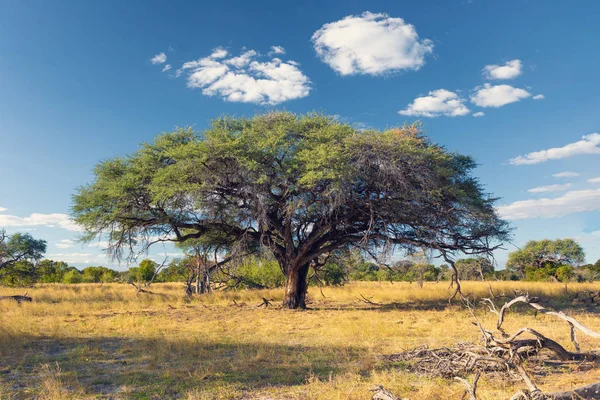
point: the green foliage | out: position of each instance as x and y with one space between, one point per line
176 271
98 274
257 272
333 274
267 178
540 260
146 270
73 276
49 271
18 274
19 247
565 273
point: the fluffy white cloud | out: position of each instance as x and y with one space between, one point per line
570 202
498 95
479 114
594 180
539 97
510 70
159 58
3 209
65 244
277 50
245 79
166 68
589 144
371 44
50 220
436 103
565 174
550 188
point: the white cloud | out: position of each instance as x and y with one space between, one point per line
539 97
565 174
510 70
65 244
594 180
3 209
570 202
589 144
245 79
100 244
436 103
159 58
77 258
479 114
277 50
49 220
550 188
498 95
166 68
372 44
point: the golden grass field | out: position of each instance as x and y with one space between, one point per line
89 341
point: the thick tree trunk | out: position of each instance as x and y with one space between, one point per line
295 288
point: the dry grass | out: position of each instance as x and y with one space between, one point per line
92 341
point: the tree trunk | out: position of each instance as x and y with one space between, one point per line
295 288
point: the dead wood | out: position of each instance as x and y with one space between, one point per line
470 389
18 298
503 355
382 393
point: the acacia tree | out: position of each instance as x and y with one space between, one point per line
550 254
299 185
19 247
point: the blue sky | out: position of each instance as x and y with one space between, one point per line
81 82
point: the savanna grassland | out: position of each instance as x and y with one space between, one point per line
105 341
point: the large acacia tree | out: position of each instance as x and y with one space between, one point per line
299 185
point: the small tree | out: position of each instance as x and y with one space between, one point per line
474 268
19 247
73 276
539 260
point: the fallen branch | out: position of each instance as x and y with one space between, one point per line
382 393
470 389
17 298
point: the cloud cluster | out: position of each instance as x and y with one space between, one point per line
594 180
245 79
550 188
589 144
510 70
372 44
497 95
49 220
65 244
570 202
436 103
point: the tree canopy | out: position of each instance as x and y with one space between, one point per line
542 258
19 247
299 185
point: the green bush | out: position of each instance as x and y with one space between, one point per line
73 276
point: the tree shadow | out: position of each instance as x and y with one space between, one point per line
122 367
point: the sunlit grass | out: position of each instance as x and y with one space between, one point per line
93 341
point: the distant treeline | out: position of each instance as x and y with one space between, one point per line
544 260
